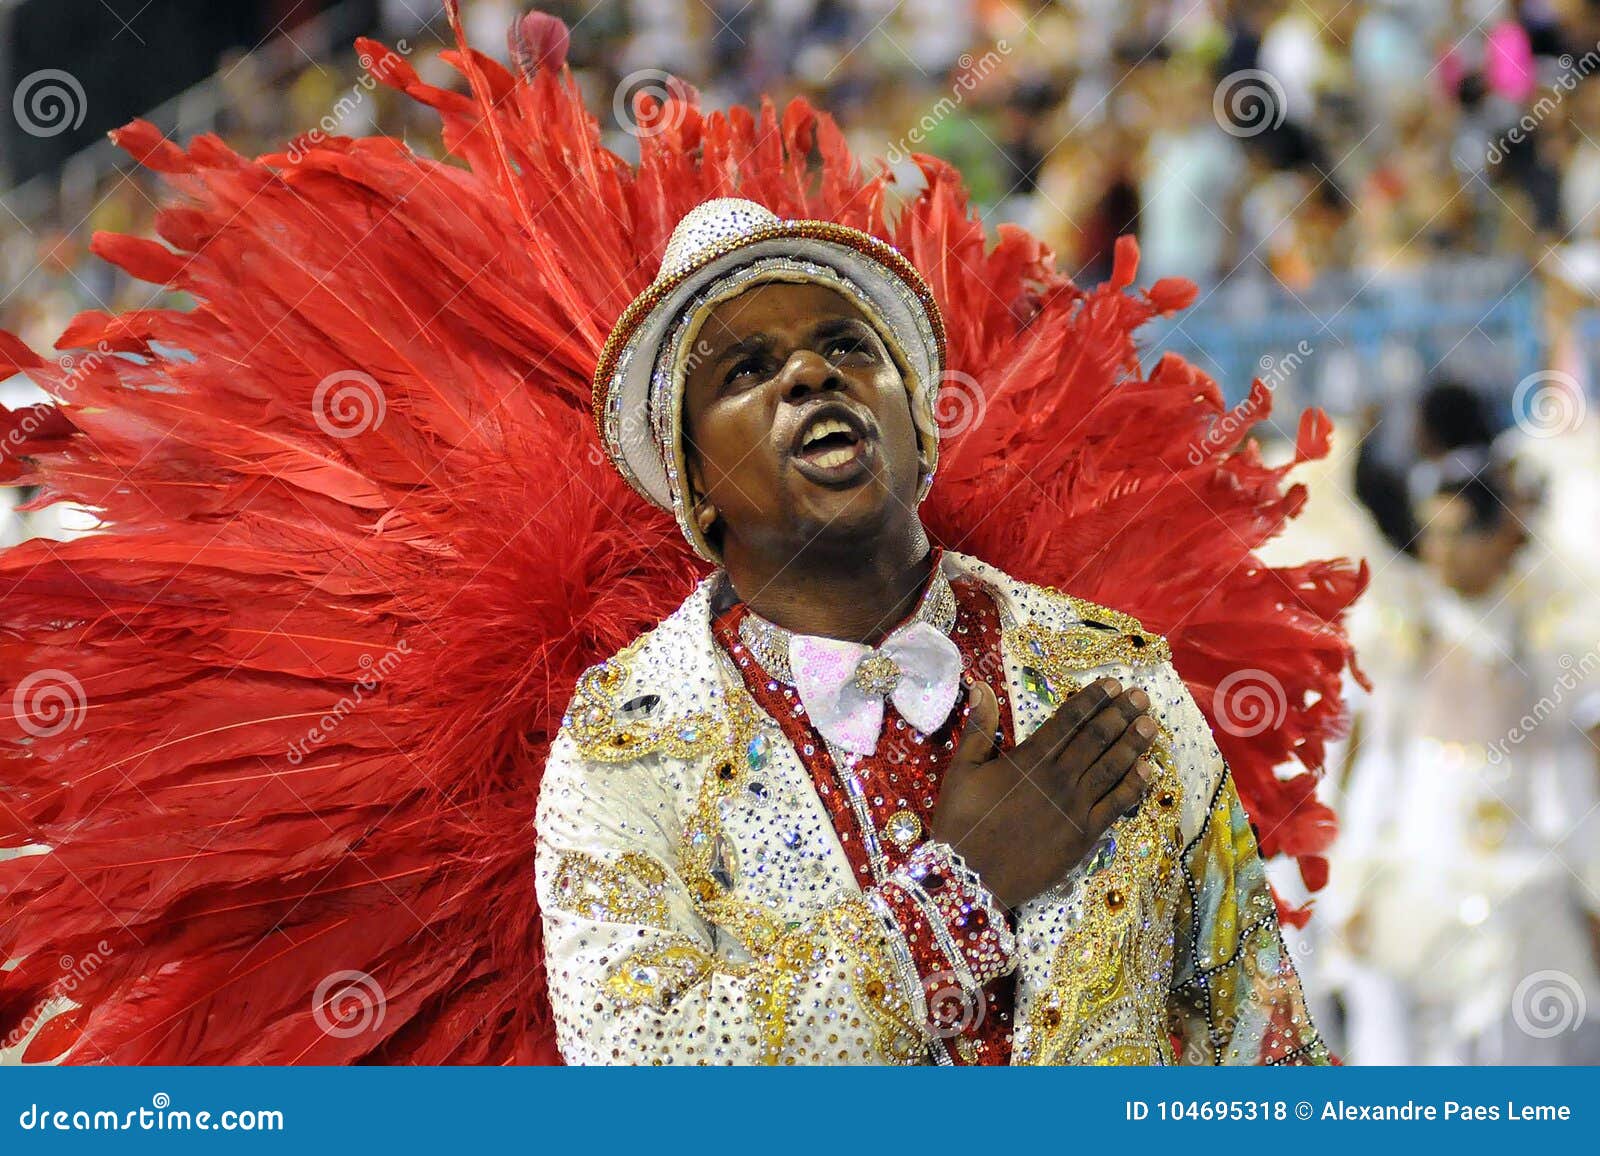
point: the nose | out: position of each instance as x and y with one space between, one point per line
806 373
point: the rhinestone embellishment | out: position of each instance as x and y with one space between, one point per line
1104 853
877 674
903 830
1037 685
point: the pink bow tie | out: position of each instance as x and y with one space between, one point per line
843 684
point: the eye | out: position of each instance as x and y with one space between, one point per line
846 344
743 370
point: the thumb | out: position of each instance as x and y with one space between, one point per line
977 737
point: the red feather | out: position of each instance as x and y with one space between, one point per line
360 541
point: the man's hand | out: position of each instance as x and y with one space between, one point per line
1024 819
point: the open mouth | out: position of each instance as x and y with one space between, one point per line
834 446
829 442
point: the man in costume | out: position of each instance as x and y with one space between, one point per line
767 831
276 731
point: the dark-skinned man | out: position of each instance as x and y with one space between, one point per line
860 799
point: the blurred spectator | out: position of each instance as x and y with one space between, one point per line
1189 177
1390 132
1465 865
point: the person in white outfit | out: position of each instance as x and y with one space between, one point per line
1464 880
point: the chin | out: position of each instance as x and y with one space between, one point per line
850 518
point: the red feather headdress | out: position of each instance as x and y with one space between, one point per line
277 731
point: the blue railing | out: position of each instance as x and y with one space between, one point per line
1350 340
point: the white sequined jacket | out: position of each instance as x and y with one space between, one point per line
698 906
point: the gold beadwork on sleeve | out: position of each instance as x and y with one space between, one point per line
611 729
1105 998
1099 636
632 889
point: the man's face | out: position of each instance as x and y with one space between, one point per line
798 422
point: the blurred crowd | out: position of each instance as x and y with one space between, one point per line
1287 142
1232 136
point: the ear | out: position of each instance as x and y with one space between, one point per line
696 476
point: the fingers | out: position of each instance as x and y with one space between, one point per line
1122 797
977 736
1118 759
1102 732
1060 728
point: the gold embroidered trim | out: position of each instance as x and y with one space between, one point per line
1104 1000
1105 995
1101 636
708 863
1107 984
874 979
658 974
608 729
785 954
631 890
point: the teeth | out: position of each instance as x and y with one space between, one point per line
836 458
823 428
